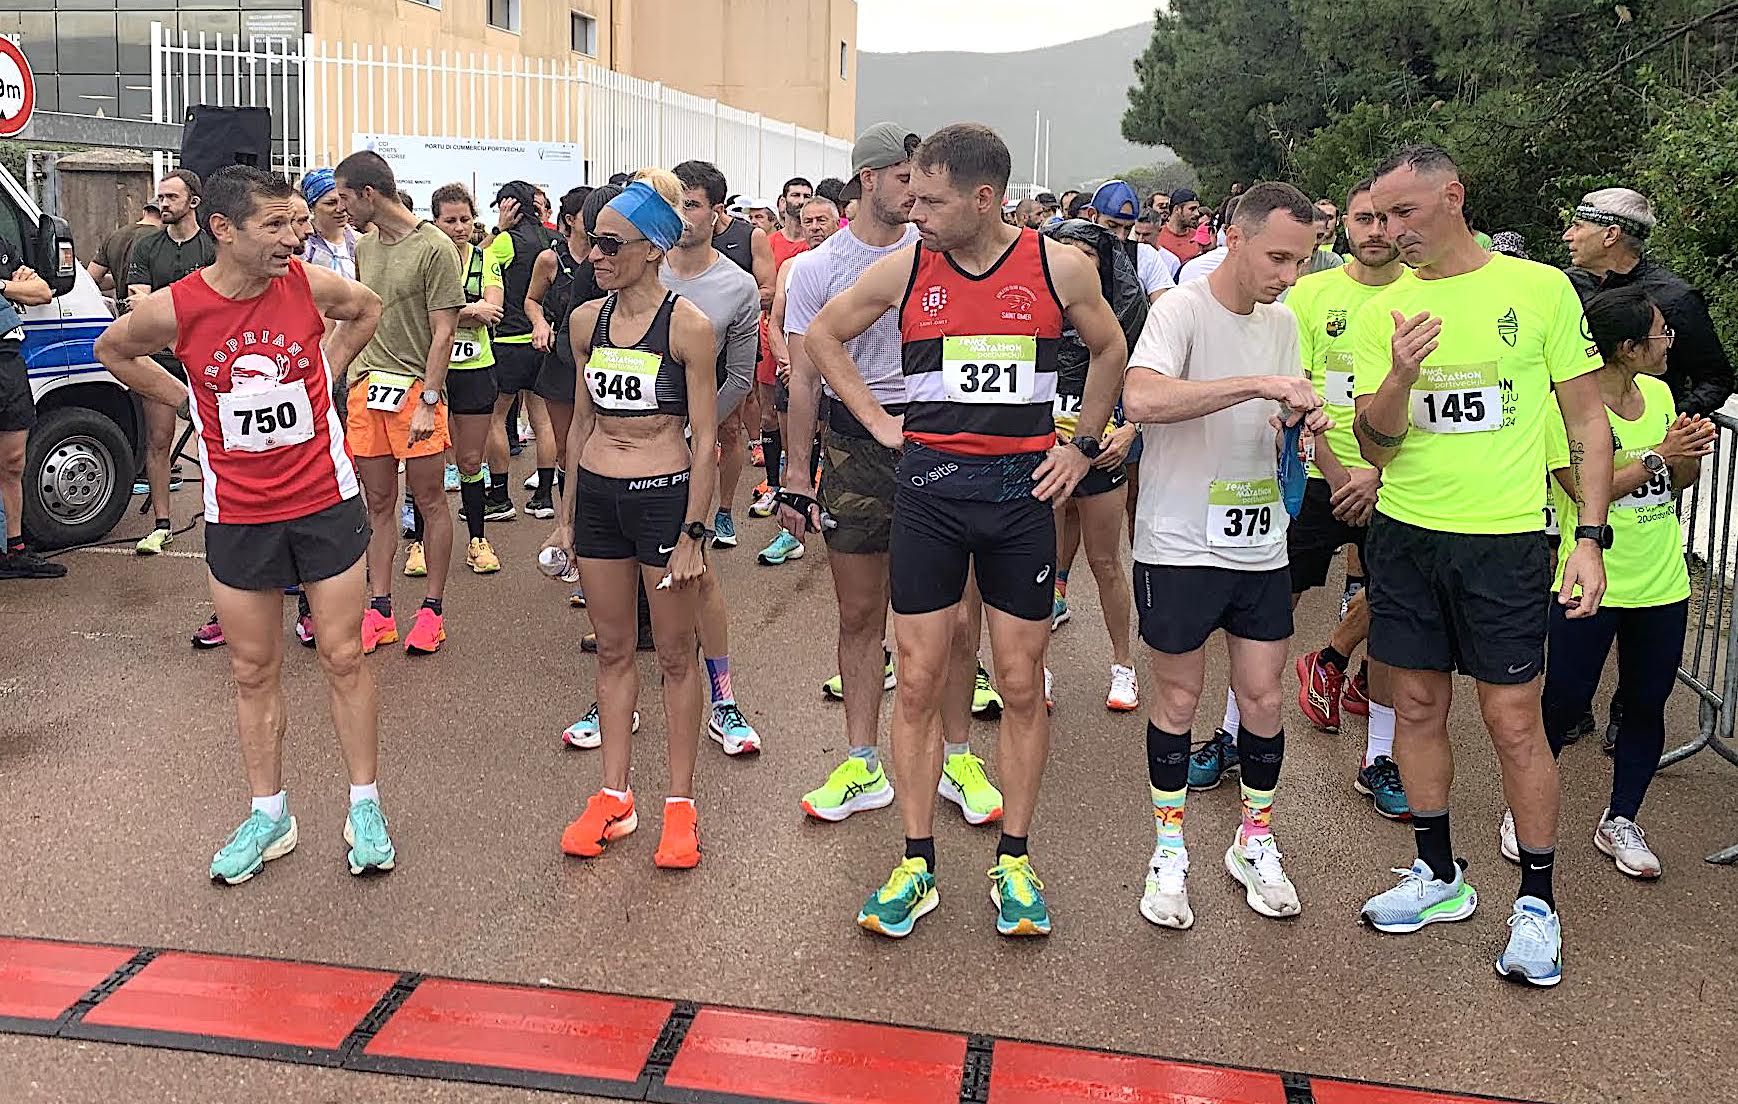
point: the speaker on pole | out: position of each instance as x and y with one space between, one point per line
213 137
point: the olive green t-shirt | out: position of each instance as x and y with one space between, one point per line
413 276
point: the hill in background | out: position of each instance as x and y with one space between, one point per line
1082 88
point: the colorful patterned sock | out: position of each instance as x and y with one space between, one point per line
718 674
1168 816
1257 814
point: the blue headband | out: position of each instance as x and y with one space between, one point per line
650 213
316 184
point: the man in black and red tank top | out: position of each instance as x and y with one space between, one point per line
981 306
282 502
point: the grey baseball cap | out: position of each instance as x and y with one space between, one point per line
882 145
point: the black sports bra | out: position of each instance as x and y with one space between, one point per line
630 381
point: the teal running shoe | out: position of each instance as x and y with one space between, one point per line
1059 615
1535 951
365 832
783 547
723 530
258 840
895 908
1380 782
1213 760
1421 898
450 479
1014 890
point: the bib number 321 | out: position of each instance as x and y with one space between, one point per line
1001 369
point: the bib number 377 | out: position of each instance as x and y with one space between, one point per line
387 391
1457 398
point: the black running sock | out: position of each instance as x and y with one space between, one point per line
471 499
1012 847
162 523
432 604
1167 759
1259 757
497 485
1430 830
546 482
1536 870
772 448
15 545
921 849
1334 659
381 604
302 607
416 523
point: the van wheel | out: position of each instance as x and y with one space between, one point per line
78 471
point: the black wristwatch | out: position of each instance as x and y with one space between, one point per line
696 530
1598 534
1089 446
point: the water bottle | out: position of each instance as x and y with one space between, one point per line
553 562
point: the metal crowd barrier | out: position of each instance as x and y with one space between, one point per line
1710 663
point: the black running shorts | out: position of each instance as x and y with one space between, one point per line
1011 545
1180 607
277 554
1474 603
471 390
629 519
1315 537
516 367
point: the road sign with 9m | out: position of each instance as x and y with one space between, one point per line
17 89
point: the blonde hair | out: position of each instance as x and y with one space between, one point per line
664 182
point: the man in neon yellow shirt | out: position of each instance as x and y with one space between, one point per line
1453 375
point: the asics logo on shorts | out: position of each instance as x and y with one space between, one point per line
1042 575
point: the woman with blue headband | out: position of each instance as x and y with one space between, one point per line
333 244
640 495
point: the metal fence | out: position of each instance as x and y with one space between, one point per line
1710 663
323 94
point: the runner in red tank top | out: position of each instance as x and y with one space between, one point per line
981 307
282 504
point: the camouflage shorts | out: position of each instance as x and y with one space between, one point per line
857 482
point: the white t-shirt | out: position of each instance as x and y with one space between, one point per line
1154 271
1209 494
1202 265
828 269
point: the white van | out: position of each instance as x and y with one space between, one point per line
81 457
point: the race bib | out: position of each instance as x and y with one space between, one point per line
467 346
1657 491
989 369
1244 513
623 379
260 421
1457 398
1337 387
387 391
1066 406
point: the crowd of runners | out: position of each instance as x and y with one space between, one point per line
954 394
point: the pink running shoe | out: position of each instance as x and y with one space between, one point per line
426 635
210 635
377 630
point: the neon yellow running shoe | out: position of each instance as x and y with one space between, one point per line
851 788
964 783
894 909
985 701
1014 890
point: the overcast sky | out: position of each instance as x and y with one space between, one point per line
989 26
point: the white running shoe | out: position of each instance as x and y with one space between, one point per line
1266 888
1626 843
587 732
1511 847
1166 900
1125 690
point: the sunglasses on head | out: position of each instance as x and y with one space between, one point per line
608 244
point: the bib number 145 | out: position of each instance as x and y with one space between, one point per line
1461 398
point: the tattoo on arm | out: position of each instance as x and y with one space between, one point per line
1377 437
1577 455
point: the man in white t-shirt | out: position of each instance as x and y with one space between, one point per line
1215 357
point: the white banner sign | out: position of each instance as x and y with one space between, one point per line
480 164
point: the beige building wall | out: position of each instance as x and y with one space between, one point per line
781 58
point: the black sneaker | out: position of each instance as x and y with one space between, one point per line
540 506
501 509
25 564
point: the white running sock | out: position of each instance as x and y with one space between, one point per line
668 801
1232 717
1380 741
273 806
948 750
619 795
370 792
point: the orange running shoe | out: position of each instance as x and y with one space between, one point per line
605 818
426 635
679 845
377 629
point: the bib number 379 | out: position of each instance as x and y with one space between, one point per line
1243 513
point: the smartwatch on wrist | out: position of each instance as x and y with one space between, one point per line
1089 446
1598 534
1653 462
696 530
430 397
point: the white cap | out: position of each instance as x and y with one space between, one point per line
753 203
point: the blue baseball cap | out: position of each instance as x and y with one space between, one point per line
1115 199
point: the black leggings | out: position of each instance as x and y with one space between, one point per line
1650 644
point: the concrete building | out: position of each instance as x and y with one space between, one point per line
793 60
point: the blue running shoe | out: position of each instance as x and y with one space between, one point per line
1059 615
1014 890
1213 760
141 487
783 547
732 730
723 530
450 479
407 518
1421 898
258 840
365 832
1535 951
1380 782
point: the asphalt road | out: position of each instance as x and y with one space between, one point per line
119 775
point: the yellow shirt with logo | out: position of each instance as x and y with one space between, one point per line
1474 459
1645 564
1325 304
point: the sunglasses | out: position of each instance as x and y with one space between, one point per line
608 244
